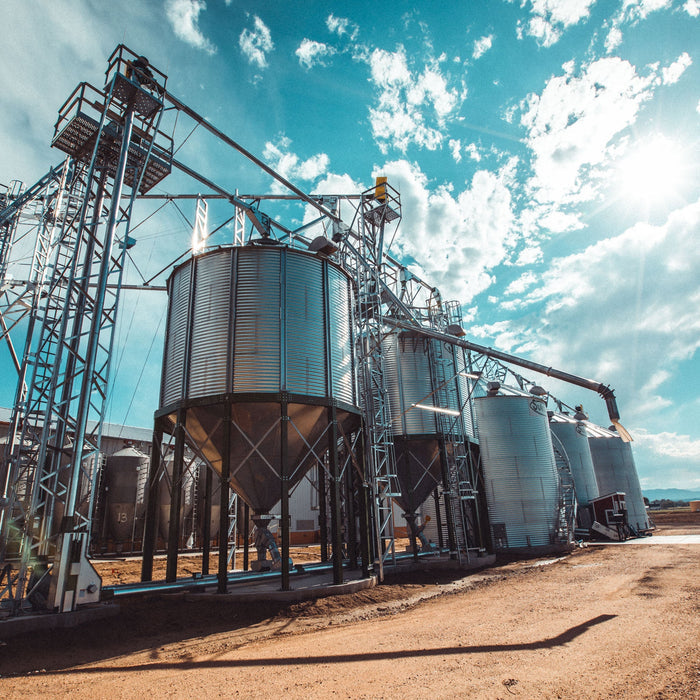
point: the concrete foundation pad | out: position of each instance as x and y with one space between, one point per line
33 622
654 539
443 562
305 588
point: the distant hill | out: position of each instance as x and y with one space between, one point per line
671 494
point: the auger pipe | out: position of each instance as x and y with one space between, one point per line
604 390
229 141
252 213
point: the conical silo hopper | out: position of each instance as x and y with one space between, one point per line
258 337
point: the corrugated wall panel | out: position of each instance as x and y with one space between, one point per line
522 483
407 370
615 471
466 391
176 342
575 441
305 326
257 346
210 326
272 324
341 358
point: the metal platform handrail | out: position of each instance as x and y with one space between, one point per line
88 96
121 61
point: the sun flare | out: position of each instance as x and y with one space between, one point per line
653 171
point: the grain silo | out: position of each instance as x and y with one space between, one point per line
571 432
125 476
616 473
429 395
520 474
258 367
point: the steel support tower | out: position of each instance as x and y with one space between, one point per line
379 206
113 138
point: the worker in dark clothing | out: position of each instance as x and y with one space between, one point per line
139 71
142 73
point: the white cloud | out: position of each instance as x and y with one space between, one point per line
671 74
624 310
312 53
632 12
334 184
572 123
410 108
525 281
183 16
668 444
257 43
481 46
641 9
473 152
613 40
456 149
290 166
456 237
692 7
341 26
550 17
530 255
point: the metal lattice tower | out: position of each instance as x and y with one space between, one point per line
113 137
10 207
32 214
378 207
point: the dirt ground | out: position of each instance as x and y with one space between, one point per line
605 622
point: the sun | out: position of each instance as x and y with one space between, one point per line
653 171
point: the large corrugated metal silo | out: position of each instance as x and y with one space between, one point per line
262 333
616 472
125 477
572 434
520 474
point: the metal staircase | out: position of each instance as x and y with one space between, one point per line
452 400
377 208
567 493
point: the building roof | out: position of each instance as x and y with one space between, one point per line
109 430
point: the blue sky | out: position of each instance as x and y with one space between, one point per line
547 153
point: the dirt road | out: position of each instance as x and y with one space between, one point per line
606 622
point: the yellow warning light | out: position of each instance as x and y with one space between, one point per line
380 189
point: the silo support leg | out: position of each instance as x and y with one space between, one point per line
322 512
284 474
246 535
365 523
151 525
206 522
223 513
351 529
176 498
336 516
